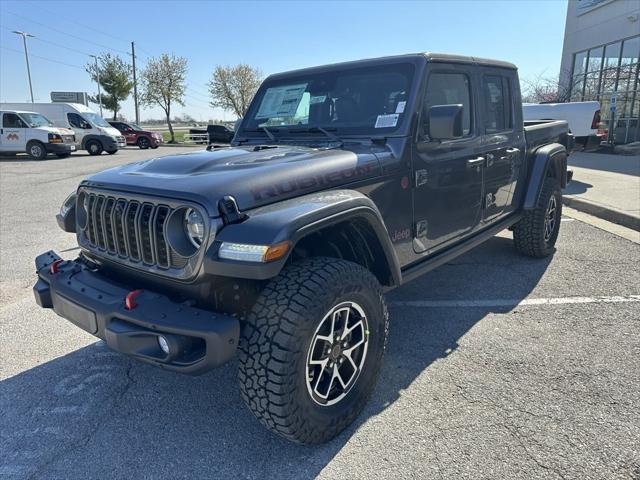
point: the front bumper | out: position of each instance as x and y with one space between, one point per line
60 147
199 340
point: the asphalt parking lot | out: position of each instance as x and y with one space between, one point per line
498 366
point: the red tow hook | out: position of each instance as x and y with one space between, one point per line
54 266
130 299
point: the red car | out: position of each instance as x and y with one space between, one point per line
137 136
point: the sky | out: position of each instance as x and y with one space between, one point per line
273 36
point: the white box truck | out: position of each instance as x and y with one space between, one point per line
92 132
32 133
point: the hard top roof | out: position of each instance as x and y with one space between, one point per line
431 57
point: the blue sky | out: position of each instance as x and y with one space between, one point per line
274 36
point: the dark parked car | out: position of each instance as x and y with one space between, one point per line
342 182
220 133
135 135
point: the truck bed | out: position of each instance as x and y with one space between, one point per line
543 132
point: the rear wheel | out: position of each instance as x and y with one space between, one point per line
535 235
94 147
36 150
311 349
144 143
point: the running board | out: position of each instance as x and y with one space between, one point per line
441 258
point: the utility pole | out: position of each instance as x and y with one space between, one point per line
98 82
135 83
26 56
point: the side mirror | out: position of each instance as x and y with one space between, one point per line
87 126
445 122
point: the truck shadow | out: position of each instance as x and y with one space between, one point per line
96 414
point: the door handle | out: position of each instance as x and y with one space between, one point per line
511 151
474 162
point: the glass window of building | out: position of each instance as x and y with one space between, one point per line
607 70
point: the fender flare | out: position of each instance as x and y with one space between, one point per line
292 220
552 156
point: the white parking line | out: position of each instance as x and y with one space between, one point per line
505 302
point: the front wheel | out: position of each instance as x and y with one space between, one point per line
94 147
536 233
36 150
144 143
311 349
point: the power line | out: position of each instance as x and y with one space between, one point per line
65 33
42 58
77 22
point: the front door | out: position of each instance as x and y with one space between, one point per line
79 126
14 133
447 173
501 142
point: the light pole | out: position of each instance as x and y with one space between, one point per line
26 56
98 82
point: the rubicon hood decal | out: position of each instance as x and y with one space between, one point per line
254 177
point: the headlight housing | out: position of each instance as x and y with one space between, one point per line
55 138
194 227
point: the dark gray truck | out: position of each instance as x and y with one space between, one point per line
342 182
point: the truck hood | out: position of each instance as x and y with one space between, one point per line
255 176
58 130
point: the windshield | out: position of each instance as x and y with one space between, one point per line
361 101
95 119
35 120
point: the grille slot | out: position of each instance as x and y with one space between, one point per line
130 229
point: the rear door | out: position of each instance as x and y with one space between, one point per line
448 173
501 141
14 133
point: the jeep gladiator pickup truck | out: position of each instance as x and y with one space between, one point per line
342 182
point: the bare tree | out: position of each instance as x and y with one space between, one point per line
163 83
545 89
233 87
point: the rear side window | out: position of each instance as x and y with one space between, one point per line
498 115
450 89
11 120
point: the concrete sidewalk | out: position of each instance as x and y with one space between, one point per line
607 186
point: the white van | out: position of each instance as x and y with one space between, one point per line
33 133
93 133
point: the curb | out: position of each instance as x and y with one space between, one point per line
605 213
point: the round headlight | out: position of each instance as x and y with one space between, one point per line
194 227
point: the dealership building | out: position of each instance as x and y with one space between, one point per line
600 60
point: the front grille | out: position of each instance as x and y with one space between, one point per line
130 229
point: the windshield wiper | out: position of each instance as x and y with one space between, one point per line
332 136
269 133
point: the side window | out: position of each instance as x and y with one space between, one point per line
498 112
11 120
449 89
76 121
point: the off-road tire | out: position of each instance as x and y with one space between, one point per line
36 150
143 143
275 342
94 147
529 232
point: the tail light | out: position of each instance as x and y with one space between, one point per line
596 120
